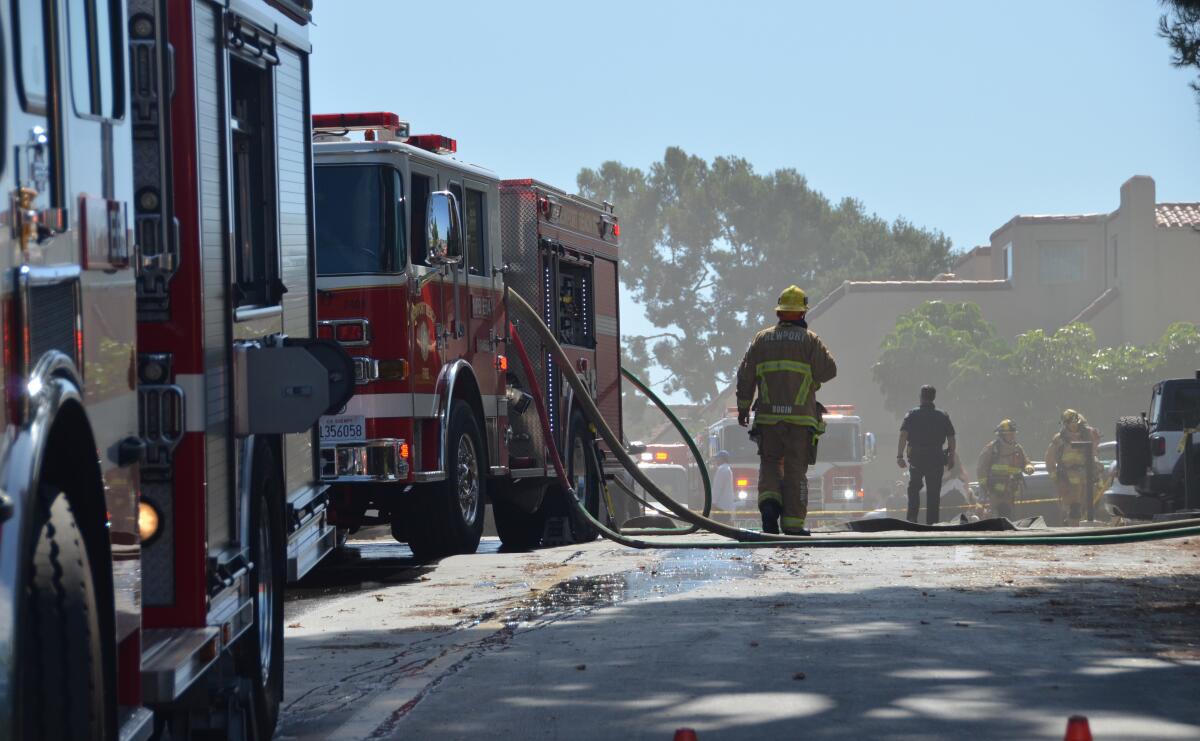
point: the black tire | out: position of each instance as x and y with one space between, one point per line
60 691
451 514
518 530
582 470
1133 450
268 549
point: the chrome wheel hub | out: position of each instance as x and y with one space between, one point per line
468 479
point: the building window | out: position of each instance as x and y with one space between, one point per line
256 250
1061 262
474 225
1008 261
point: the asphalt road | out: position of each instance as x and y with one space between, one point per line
601 642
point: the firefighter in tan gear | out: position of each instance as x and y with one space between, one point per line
785 364
1000 468
1067 464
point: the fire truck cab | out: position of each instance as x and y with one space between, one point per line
415 248
161 380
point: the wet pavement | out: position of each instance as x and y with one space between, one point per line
597 641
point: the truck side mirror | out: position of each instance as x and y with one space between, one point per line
869 446
444 226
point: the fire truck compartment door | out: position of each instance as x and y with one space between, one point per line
284 388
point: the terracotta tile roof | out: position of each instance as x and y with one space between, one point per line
1177 214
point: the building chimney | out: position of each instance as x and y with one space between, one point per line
1137 198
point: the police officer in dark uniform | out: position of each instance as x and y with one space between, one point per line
922 434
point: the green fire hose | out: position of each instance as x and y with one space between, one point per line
738 537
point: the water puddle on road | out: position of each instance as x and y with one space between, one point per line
678 571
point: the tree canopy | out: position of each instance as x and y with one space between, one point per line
983 378
708 246
1180 26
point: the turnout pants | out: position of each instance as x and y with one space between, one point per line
1003 495
783 471
1071 485
925 470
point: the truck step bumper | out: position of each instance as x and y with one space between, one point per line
173 658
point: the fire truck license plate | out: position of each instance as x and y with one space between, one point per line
344 428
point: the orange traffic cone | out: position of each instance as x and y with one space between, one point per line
1077 729
685 734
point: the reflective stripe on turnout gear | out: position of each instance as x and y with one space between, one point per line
770 496
792 523
804 370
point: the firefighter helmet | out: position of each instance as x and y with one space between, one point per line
793 300
1006 425
1070 416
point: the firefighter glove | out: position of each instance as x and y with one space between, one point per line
744 418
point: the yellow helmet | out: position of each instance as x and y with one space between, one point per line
1070 416
1006 425
793 300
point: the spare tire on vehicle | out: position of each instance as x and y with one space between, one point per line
1133 450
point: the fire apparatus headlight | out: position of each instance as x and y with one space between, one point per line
743 495
148 522
848 494
647 457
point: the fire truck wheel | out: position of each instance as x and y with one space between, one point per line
585 478
518 530
260 651
61 677
451 514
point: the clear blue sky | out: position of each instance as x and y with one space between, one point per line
955 115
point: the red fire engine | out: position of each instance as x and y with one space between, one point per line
414 250
835 481
161 375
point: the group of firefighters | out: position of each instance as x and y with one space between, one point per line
778 379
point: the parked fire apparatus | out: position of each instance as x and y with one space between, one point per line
161 375
835 481
414 249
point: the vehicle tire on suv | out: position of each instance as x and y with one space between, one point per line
1133 450
448 518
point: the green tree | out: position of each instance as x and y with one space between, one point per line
708 246
982 379
925 347
1180 26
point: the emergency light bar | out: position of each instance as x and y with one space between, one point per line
843 409
373 121
435 143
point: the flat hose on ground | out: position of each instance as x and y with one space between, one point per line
750 538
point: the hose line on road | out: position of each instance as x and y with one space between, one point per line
749 538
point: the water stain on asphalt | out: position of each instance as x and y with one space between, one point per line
678 571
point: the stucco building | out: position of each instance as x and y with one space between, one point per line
1128 273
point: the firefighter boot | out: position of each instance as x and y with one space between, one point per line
770 510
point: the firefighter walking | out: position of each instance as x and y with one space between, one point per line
785 365
1001 466
1067 464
